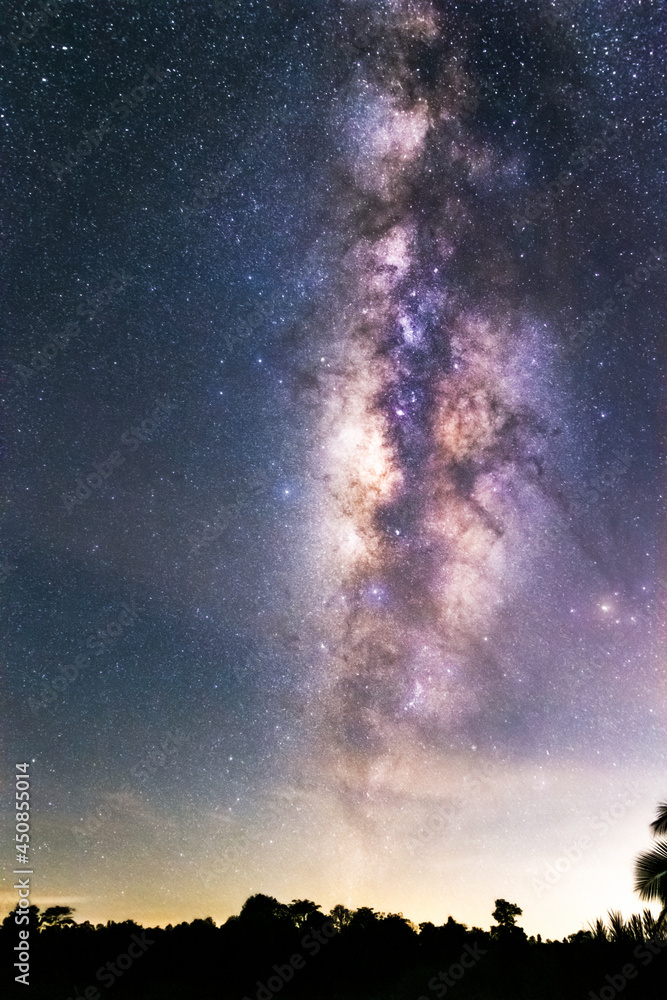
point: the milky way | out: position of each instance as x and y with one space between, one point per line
454 544
436 426
397 270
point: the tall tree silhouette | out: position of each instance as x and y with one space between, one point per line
651 867
505 915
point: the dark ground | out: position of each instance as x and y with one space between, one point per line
348 956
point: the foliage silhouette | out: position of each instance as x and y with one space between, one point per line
296 950
57 916
651 867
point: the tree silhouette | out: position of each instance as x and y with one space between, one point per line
33 918
300 910
262 909
363 918
340 916
269 943
505 913
57 916
651 867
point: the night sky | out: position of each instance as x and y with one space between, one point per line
331 560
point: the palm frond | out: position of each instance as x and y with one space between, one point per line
598 930
617 928
651 874
650 925
659 824
635 927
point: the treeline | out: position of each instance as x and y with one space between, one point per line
294 950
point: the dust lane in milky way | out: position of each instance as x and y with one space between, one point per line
436 429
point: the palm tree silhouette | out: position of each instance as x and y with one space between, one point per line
651 867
